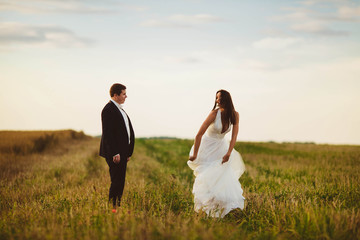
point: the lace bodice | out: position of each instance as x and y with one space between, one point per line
215 127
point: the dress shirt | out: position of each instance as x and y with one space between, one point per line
124 116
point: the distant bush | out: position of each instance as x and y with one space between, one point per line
27 142
44 142
77 135
20 148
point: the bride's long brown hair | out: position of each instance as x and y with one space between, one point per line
228 116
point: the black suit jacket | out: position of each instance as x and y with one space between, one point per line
114 139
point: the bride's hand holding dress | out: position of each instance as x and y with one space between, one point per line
225 158
192 158
234 134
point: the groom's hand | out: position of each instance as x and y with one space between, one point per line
128 159
116 158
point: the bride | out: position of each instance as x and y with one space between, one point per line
217 166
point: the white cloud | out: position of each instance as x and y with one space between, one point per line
58 6
181 20
162 23
297 14
313 19
195 19
275 32
13 33
317 27
195 57
309 26
349 13
135 7
313 2
276 43
186 60
253 64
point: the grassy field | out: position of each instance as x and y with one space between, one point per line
59 191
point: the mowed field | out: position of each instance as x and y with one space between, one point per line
53 185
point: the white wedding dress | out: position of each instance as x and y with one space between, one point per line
217 189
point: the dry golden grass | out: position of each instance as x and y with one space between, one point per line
25 142
18 149
293 191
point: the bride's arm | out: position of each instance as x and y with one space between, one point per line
234 134
201 132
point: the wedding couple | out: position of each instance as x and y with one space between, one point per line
216 164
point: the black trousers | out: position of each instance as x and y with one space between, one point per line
117 176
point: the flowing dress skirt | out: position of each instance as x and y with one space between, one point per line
216 189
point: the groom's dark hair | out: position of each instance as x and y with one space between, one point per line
116 88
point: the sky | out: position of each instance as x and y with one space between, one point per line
292 67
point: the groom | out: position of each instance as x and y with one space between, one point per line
117 141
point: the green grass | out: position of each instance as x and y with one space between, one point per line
297 191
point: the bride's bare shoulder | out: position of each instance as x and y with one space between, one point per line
212 115
214 112
237 117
